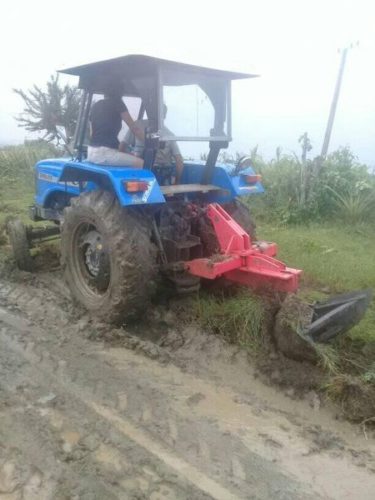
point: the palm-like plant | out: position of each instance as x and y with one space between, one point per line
354 205
43 110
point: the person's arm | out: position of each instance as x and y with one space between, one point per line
179 167
138 132
127 142
179 161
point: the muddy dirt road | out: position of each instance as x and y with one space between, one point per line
92 413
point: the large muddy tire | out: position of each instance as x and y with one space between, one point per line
108 259
21 248
241 214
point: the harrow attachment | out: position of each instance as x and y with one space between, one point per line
242 261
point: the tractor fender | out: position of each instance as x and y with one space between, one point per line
114 179
233 184
47 185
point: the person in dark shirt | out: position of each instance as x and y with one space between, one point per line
105 124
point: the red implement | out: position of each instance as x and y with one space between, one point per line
240 260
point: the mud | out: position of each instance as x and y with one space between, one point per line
356 398
294 317
169 332
158 410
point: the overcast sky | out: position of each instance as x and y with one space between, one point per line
291 44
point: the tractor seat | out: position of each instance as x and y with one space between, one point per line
188 188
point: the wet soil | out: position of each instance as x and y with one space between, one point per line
158 410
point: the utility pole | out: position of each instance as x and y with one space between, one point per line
331 118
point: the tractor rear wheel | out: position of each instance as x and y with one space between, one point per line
21 248
241 214
108 258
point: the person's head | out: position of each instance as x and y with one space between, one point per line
165 110
113 88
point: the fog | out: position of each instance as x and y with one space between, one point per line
292 45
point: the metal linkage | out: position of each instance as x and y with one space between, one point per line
242 261
39 234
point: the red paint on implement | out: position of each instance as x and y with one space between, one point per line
243 262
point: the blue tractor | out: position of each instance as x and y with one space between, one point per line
122 228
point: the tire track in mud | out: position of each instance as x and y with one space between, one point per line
80 406
266 483
221 434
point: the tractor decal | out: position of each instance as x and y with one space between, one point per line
47 177
52 178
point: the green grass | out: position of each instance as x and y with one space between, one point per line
333 258
238 319
15 202
17 178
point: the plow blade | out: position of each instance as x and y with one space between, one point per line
337 315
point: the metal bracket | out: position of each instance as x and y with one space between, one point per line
240 260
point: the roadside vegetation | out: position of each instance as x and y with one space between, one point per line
16 176
322 216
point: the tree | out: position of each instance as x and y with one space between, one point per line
58 105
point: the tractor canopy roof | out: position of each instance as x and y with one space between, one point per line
198 99
132 68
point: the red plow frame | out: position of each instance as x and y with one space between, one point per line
242 261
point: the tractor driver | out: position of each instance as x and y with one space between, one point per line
167 152
106 117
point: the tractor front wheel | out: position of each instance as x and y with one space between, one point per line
20 244
108 258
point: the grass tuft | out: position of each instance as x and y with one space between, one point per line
238 319
328 358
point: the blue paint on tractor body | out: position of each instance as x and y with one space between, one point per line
62 176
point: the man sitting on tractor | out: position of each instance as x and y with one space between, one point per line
167 153
105 124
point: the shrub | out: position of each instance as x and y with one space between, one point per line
303 190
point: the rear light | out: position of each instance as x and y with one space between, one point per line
252 179
135 186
